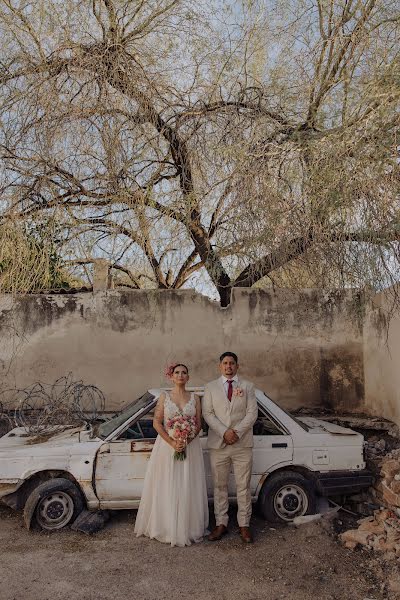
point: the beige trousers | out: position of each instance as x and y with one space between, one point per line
241 460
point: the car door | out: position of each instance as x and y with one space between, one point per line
207 465
121 466
273 445
120 471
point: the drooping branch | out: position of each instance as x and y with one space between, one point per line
272 261
296 247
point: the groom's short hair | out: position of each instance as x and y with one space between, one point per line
232 354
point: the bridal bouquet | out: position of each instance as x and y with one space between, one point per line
181 428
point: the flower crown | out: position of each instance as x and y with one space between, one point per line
169 370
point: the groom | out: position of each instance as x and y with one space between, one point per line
230 410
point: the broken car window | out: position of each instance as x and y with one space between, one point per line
302 425
265 425
105 429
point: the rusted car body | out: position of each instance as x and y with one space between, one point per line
294 461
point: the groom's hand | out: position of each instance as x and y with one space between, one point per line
230 437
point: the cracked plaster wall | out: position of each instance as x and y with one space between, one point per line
382 356
301 347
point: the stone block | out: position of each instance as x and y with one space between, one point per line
355 536
372 526
389 497
366 520
395 486
383 515
378 490
101 277
392 535
392 522
378 542
389 469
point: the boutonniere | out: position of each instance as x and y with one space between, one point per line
238 391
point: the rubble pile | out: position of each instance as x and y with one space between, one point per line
387 487
379 532
376 447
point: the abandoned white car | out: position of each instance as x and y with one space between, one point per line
54 478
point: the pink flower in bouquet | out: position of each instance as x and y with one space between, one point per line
181 428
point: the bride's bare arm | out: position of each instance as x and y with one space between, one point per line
158 425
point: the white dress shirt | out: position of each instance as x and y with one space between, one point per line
225 380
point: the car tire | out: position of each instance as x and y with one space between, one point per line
286 495
53 505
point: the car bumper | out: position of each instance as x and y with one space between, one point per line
335 483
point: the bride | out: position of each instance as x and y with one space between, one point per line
174 506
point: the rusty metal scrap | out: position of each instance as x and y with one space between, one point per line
43 408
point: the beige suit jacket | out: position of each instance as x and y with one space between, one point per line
221 414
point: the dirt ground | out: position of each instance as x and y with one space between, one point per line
296 564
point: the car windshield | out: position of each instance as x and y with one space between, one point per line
300 423
105 429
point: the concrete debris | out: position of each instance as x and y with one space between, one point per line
380 532
297 521
329 514
375 447
387 488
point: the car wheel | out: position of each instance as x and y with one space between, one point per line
53 504
285 496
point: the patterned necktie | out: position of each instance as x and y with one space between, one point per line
230 389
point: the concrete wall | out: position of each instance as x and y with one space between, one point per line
382 357
301 347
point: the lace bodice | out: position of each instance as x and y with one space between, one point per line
171 409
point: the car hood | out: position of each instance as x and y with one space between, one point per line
318 426
18 438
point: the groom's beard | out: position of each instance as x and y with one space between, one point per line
230 373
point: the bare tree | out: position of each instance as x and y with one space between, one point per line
251 142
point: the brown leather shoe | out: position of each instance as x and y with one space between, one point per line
217 533
245 534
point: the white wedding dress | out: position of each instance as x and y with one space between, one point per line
174 506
